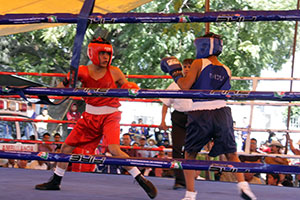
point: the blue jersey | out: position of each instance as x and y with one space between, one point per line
212 77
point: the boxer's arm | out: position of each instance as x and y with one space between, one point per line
186 82
164 111
122 81
118 76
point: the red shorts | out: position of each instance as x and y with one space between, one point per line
90 129
80 167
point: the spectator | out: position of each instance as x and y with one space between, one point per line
252 177
238 138
30 111
152 144
275 149
32 137
227 176
21 164
295 151
11 163
272 136
207 175
3 162
126 141
244 134
46 147
133 131
57 150
288 181
136 139
166 143
135 144
273 179
163 172
42 127
253 149
159 171
37 164
72 115
57 138
143 144
144 130
144 154
159 136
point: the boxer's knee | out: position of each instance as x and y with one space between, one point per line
67 148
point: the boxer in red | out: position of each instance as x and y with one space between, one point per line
101 119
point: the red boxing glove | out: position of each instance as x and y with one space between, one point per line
130 85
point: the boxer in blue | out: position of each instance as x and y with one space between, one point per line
207 119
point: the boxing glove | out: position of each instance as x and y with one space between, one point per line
130 85
172 66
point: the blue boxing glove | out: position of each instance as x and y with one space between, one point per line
172 66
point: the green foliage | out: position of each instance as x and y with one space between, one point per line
294 113
138 48
47 51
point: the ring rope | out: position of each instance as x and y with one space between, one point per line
143 93
141 148
79 98
146 76
138 125
158 163
242 103
145 148
113 18
52 142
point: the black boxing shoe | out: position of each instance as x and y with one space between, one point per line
52 184
149 188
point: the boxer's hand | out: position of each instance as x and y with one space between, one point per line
130 85
163 126
172 66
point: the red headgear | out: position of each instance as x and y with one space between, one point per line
96 46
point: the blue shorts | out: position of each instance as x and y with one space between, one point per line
204 125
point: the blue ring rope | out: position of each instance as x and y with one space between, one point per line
82 24
157 163
143 93
113 18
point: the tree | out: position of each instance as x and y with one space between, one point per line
249 47
294 114
138 48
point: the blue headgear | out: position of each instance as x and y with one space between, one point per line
208 46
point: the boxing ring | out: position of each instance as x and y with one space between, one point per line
20 182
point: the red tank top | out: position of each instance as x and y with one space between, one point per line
105 82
